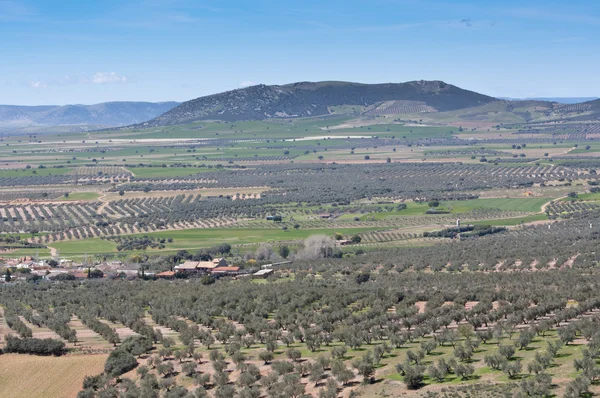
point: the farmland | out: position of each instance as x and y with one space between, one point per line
41 377
418 251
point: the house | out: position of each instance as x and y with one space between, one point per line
263 273
225 271
206 266
80 274
187 267
166 275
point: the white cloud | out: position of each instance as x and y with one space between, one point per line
247 83
108 78
38 84
96 78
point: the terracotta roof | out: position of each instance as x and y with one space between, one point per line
188 265
166 273
207 264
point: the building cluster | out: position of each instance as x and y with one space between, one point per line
16 269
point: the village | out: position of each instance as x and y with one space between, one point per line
31 270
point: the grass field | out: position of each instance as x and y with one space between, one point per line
80 196
33 172
508 222
524 204
28 376
194 239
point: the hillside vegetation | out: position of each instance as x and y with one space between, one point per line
307 99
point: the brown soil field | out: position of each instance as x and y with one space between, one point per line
46 377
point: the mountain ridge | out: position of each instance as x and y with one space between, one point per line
114 113
306 99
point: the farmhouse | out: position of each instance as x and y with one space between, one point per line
206 266
187 267
226 271
200 267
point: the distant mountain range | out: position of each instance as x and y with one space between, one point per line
303 99
306 99
560 100
108 114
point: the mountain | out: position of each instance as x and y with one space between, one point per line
306 99
104 114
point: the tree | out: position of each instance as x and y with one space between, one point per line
507 351
365 368
165 368
577 387
525 337
225 391
330 390
136 345
266 356
143 371
356 239
434 203
512 369
317 246
284 251
539 386
7 277
338 352
413 376
464 352
494 361
464 371
119 362
316 373
293 354
188 368
437 373
121 192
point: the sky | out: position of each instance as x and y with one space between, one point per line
72 51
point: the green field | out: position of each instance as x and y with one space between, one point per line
193 239
514 204
80 196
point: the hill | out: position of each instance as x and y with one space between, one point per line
107 114
307 99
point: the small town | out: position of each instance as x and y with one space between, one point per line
30 269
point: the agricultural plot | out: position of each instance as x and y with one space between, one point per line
107 171
400 107
46 377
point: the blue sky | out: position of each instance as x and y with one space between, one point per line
66 51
